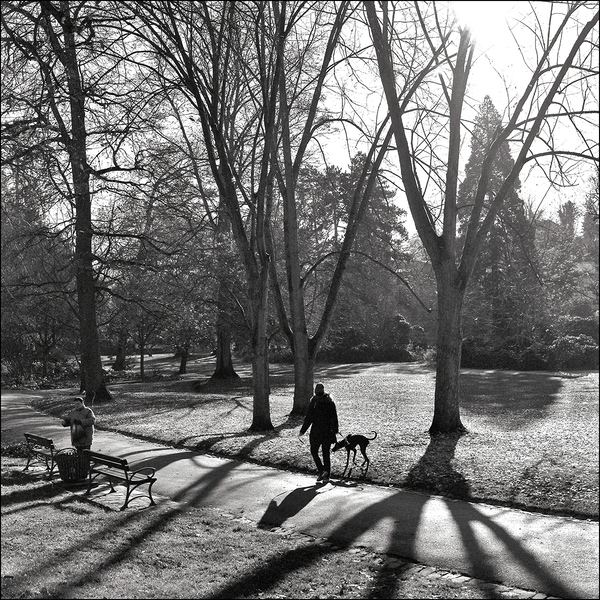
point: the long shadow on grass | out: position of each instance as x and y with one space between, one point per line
404 509
206 444
193 494
16 477
273 571
120 552
434 472
45 488
518 397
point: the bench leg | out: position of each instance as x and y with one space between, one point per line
29 459
130 489
150 494
126 499
51 467
34 457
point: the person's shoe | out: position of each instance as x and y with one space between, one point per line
325 478
320 477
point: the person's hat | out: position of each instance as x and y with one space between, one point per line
319 388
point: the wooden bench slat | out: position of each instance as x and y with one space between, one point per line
42 450
113 467
38 439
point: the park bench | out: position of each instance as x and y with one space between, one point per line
116 469
40 450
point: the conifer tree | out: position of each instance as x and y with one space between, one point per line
503 286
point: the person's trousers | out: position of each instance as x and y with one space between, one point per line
317 445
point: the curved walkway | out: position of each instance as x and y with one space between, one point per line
470 542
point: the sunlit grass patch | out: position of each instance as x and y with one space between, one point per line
532 441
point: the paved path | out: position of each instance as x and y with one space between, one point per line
556 556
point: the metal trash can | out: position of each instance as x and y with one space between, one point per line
72 466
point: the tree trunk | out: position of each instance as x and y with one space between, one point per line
446 415
224 367
121 352
304 374
142 351
261 413
45 360
91 362
183 362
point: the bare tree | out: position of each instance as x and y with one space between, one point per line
56 38
256 76
316 58
224 58
218 219
559 91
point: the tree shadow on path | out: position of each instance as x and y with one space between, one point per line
431 530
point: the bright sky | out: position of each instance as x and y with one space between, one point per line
487 20
497 55
496 50
499 72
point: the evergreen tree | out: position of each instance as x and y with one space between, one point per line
370 286
590 223
500 304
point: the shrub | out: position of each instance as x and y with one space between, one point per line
419 343
281 355
537 357
576 326
15 449
430 356
347 345
279 350
505 358
477 354
575 352
390 343
516 354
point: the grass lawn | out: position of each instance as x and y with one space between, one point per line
532 441
57 545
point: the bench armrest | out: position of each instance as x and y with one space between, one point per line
148 471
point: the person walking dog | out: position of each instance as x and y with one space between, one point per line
322 419
81 420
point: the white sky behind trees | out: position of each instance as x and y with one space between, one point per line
499 71
499 68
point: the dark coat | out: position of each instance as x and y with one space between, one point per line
322 415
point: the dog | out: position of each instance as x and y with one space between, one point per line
350 442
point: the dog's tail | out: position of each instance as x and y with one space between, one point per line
374 435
